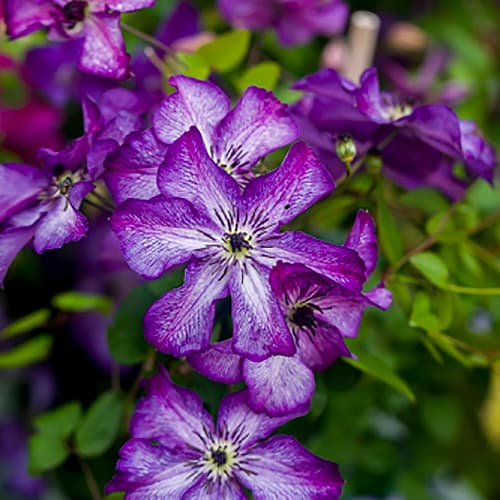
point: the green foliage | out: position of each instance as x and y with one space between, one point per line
46 452
265 75
388 232
27 323
227 51
80 302
60 422
432 267
28 353
100 425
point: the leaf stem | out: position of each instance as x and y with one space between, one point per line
90 479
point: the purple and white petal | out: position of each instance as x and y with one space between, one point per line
279 385
181 321
19 185
257 125
11 243
229 489
340 264
259 329
24 16
196 103
170 414
132 169
282 468
188 172
290 189
60 225
219 362
147 470
119 5
369 99
104 49
240 423
363 240
158 234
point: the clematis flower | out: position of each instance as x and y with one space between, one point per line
40 205
296 21
418 145
235 139
318 313
96 22
176 451
230 240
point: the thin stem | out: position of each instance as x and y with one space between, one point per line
97 205
467 290
147 38
115 376
105 201
90 479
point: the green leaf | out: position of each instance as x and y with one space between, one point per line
421 315
100 425
27 323
28 353
80 302
432 267
227 51
427 200
46 452
389 233
377 368
194 65
446 344
61 421
125 336
265 75
441 415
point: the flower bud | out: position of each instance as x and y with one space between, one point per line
345 148
373 163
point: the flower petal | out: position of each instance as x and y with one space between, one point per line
147 470
240 423
294 186
170 414
340 264
218 363
60 225
211 490
196 103
189 173
24 16
121 5
132 169
104 49
279 385
158 234
11 243
257 125
363 240
259 327
181 321
282 468
19 185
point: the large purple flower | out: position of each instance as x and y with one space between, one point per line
418 144
176 451
96 22
296 21
230 240
319 313
235 139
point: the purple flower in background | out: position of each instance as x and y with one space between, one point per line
96 22
230 240
418 144
318 313
39 204
296 21
235 139
176 451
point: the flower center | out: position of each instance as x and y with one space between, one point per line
238 243
302 316
74 13
219 457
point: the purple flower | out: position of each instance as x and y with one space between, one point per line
418 144
235 139
319 313
176 451
296 21
96 22
39 204
230 240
